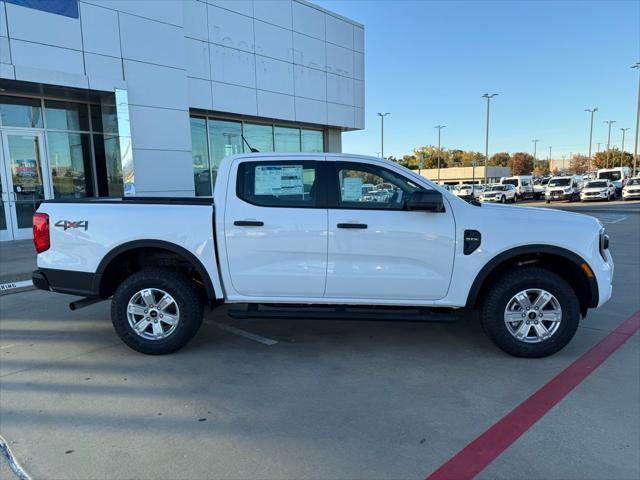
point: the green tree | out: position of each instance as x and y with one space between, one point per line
500 159
521 163
611 158
468 157
542 168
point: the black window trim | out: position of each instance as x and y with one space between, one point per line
333 193
322 173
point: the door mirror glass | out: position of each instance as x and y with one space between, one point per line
426 201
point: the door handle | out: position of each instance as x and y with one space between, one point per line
352 225
248 223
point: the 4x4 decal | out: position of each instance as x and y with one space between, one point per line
66 224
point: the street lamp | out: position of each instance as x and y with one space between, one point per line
610 122
486 141
439 127
382 115
591 111
623 130
635 147
535 151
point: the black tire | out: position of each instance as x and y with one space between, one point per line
516 281
548 201
503 199
183 291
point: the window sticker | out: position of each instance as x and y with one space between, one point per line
278 180
352 189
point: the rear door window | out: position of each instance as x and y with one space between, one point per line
288 183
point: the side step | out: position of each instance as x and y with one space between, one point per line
342 312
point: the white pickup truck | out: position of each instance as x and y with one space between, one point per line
287 232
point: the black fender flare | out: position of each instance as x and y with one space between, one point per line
172 247
491 265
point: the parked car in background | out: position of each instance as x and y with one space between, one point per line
467 191
523 184
618 176
562 188
598 190
540 187
499 193
631 190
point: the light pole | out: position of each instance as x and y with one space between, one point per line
382 115
610 122
599 143
623 130
439 127
535 150
635 146
486 140
591 111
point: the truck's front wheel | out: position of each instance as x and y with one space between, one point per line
531 312
156 311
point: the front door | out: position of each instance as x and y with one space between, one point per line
378 250
25 180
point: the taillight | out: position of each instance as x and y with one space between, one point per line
41 232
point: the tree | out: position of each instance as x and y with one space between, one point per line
500 159
469 157
579 164
542 168
611 158
521 163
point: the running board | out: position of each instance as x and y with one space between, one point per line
340 312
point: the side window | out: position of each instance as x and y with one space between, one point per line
278 183
370 186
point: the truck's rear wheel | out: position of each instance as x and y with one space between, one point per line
531 312
156 311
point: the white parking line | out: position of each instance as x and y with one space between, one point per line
243 333
617 220
8 346
12 285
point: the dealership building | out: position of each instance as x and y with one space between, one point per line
104 98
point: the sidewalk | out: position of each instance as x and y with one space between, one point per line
17 260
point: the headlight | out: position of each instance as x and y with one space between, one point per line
567 190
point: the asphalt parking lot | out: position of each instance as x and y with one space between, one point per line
314 399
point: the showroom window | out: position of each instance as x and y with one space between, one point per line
82 143
225 138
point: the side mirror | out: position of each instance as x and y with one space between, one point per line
426 201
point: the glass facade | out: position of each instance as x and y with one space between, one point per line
213 139
81 139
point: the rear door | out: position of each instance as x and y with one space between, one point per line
275 228
378 250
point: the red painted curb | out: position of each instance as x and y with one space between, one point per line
475 457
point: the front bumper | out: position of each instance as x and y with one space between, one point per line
489 199
599 196
628 194
558 196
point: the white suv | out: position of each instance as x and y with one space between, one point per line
632 189
499 193
598 190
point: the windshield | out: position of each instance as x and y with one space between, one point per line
544 181
634 181
513 181
559 182
596 184
497 188
615 175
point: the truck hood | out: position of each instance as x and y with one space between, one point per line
537 217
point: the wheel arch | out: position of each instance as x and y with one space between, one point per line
567 264
125 250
